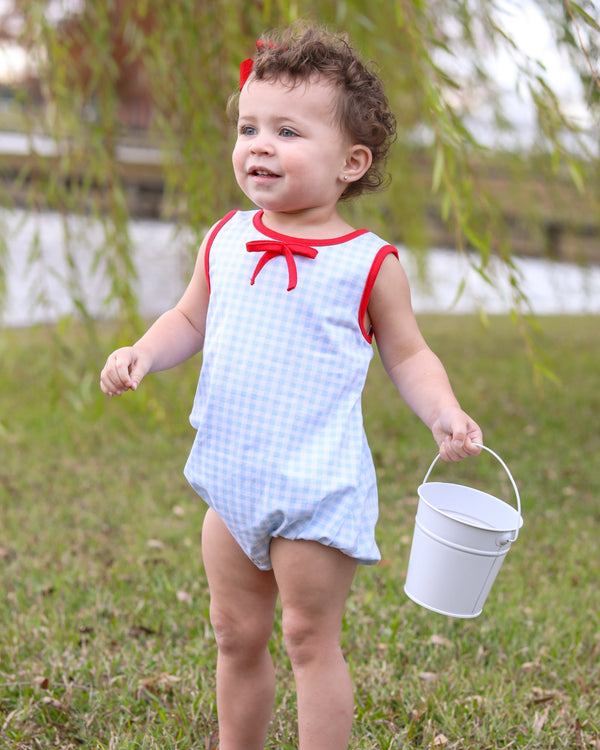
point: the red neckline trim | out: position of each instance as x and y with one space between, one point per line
258 224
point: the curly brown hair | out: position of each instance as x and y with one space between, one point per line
300 52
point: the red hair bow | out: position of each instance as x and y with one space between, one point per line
247 65
245 70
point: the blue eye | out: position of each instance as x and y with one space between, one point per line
247 130
287 133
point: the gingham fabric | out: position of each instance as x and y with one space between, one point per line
280 449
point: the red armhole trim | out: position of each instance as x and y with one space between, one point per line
210 241
364 303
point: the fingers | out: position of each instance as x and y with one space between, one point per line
116 377
458 438
455 449
137 371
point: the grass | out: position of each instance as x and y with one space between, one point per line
104 633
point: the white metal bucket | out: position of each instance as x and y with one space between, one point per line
460 540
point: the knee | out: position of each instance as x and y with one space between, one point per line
306 640
240 636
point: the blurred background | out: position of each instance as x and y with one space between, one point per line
115 148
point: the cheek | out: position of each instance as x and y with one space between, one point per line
237 158
294 161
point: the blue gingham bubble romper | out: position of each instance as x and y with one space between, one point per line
280 449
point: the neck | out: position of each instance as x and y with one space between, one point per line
303 225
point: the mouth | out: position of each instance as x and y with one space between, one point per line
261 172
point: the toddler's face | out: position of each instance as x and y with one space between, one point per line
290 153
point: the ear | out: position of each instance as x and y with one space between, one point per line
358 160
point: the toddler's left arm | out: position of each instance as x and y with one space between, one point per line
414 369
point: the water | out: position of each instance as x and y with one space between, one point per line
38 288
41 281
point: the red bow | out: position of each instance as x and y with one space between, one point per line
247 65
271 249
245 70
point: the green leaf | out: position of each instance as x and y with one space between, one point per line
576 176
585 15
438 169
459 292
446 206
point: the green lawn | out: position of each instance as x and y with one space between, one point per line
104 633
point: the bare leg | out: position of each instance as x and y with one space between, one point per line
314 582
241 610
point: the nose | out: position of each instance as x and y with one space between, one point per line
261 143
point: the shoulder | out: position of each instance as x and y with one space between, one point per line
391 282
234 224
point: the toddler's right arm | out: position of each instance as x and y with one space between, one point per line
176 336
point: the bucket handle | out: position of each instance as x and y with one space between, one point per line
505 467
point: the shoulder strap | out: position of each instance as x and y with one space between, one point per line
364 303
211 238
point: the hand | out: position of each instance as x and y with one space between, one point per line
123 371
456 434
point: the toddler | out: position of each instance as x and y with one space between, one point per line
284 302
